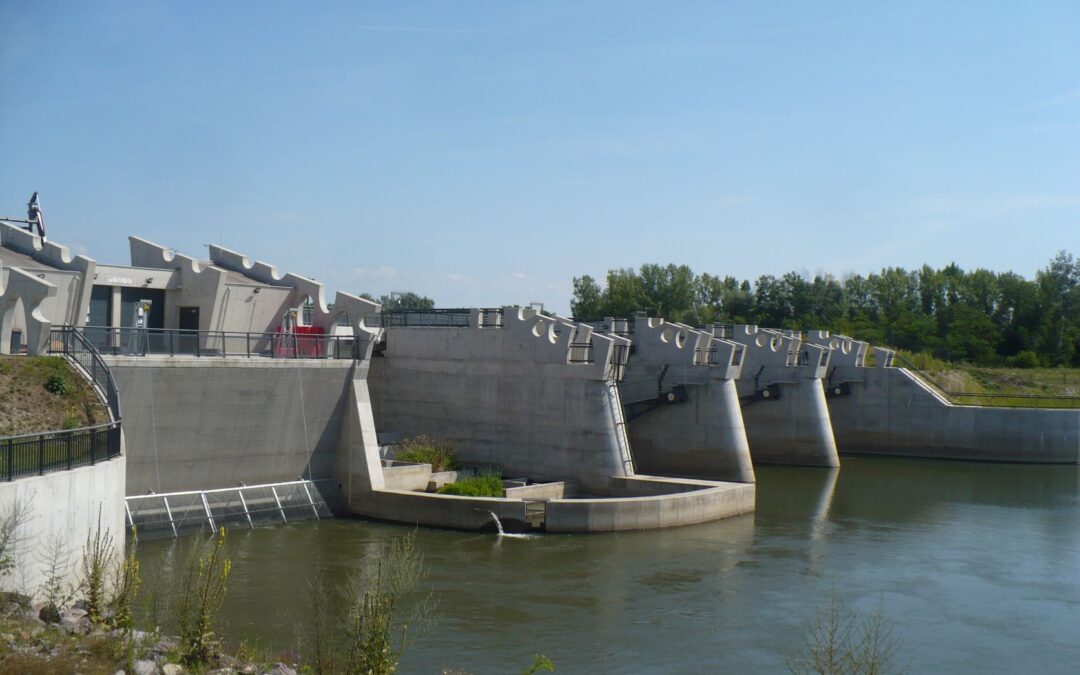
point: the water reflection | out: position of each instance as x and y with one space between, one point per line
976 563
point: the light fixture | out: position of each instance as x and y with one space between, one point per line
149 280
256 291
41 276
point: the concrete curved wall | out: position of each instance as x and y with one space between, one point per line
705 437
792 429
672 503
64 507
201 423
890 412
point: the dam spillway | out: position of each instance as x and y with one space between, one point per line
233 372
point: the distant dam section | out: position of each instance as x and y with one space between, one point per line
890 411
204 423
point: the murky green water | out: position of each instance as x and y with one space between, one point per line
978 566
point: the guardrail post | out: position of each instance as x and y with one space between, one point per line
67 443
41 455
247 343
93 448
10 459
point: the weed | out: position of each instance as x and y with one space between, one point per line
440 454
203 590
484 485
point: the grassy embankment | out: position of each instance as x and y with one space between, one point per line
41 394
1010 387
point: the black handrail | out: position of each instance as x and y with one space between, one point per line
216 343
68 341
40 453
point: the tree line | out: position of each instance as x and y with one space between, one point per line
977 316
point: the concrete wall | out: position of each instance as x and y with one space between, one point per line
200 423
702 437
673 509
891 412
64 507
792 427
505 396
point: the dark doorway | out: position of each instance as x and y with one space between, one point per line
100 318
188 342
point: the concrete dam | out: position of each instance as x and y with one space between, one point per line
233 373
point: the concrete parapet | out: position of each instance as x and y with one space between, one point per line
784 407
20 288
682 404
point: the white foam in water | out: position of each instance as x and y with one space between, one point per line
504 533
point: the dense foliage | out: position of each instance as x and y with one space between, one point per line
978 316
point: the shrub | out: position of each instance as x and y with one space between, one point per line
56 384
1026 359
484 485
439 454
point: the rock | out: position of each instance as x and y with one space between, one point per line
119 672
162 646
77 626
281 669
145 667
49 614
171 669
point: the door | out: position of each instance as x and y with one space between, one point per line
188 340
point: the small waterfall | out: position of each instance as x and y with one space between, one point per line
498 523
504 533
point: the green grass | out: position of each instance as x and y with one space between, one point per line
484 485
42 393
439 454
998 386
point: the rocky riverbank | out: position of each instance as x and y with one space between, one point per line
38 638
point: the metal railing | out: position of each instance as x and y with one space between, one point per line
41 453
180 513
38 454
438 318
72 344
203 343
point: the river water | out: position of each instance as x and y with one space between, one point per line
976 566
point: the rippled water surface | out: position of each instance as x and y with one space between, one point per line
977 565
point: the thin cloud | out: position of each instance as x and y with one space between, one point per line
425 29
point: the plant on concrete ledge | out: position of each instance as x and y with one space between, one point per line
440 454
488 484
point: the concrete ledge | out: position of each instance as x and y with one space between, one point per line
700 505
538 491
407 477
423 508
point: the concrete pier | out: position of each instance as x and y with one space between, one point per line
783 401
681 403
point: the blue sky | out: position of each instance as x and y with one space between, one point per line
486 153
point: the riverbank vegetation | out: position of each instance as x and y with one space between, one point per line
42 393
440 454
980 317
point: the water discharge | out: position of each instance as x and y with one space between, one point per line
977 566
